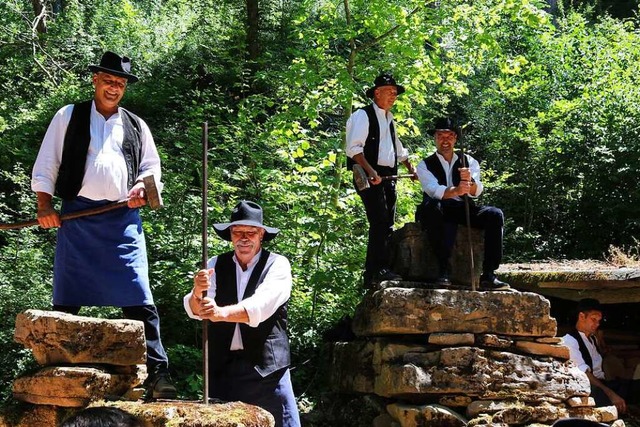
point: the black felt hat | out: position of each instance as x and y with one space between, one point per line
384 79
445 123
245 213
116 65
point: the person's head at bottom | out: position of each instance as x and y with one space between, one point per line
577 422
102 416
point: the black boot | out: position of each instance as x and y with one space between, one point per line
490 282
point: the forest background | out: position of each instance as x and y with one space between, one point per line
551 90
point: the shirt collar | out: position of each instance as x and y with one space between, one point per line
251 263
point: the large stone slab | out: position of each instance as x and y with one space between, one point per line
72 386
156 414
482 374
418 373
413 311
59 338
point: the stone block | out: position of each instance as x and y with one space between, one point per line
396 311
61 338
413 258
72 386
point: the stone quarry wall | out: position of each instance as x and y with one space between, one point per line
458 357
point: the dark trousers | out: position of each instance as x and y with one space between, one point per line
239 381
620 386
157 359
380 205
441 218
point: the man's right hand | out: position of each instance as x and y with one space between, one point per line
375 178
48 217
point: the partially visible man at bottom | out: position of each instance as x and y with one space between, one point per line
585 353
246 300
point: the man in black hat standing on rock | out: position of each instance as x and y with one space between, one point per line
372 142
446 177
95 153
247 293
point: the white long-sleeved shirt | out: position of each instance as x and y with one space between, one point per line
430 184
105 175
576 356
358 130
270 294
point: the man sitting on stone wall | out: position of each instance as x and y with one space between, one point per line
447 177
585 351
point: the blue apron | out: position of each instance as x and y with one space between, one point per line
101 260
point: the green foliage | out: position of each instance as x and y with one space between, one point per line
553 101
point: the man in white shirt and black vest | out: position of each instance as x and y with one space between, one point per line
447 177
95 153
245 294
585 352
373 143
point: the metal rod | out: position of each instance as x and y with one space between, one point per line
468 219
205 256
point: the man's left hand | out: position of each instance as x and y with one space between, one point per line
210 310
137 196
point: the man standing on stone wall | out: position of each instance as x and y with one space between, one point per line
372 142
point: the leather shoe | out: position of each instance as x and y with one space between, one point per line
386 274
160 386
443 281
492 283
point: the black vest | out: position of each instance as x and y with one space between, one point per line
267 345
76 146
372 144
586 356
435 167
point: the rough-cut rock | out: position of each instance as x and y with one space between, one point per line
483 374
451 339
425 415
421 311
491 340
157 414
579 401
541 349
72 386
413 258
59 338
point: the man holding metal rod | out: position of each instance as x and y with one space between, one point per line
373 144
246 300
448 177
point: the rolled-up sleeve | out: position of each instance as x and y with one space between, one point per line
357 132
45 169
274 291
149 159
429 182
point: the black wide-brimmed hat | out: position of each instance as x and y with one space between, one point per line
116 65
384 79
445 123
245 213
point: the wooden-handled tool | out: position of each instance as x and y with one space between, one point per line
154 200
362 180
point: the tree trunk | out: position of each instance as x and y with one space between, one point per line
40 13
253 20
